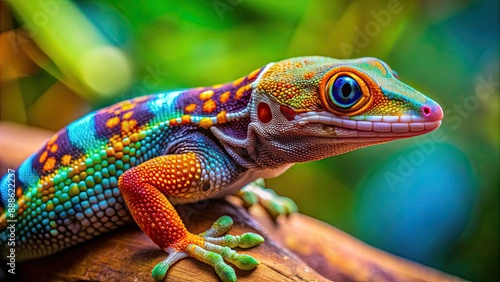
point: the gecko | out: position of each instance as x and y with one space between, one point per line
135 160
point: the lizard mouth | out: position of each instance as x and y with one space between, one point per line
372 126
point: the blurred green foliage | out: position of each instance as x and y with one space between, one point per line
439 195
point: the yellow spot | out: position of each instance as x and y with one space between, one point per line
379 65
221 117
207 94
209 106
241 91
53 149
217 86
49 207
224 97
65 159
73 191
126 141
186 119
206 122
49 164
253 74
128 115
43 157
127 106
190 108
112 122
238 81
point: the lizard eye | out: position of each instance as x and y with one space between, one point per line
344 92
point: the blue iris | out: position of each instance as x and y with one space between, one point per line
345 92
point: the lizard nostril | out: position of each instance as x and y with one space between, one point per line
426 110
432 111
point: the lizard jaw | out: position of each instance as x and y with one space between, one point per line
371 126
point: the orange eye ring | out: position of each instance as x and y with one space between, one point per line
343 92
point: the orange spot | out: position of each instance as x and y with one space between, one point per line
238 81
118 147
134 137
217 86
206 122
49 164
186 119
128 115
173 121
190 108
308 75
110 151
53 149
112 122
207 94
43 157
65 159
241 91
128 125
224 97
19 191
209 106
52 139
253 74
221 117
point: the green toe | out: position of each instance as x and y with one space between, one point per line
248 240
224 271
159 271
223 222
246 262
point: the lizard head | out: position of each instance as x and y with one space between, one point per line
309 108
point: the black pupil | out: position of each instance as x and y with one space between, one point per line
346 90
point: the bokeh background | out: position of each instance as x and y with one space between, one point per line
432 199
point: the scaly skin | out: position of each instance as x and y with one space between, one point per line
153 152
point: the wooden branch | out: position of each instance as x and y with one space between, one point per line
297 248
129 255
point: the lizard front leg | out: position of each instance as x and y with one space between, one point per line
145 189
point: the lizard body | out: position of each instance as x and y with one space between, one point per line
134 160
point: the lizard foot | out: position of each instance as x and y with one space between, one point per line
212 248
255 192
